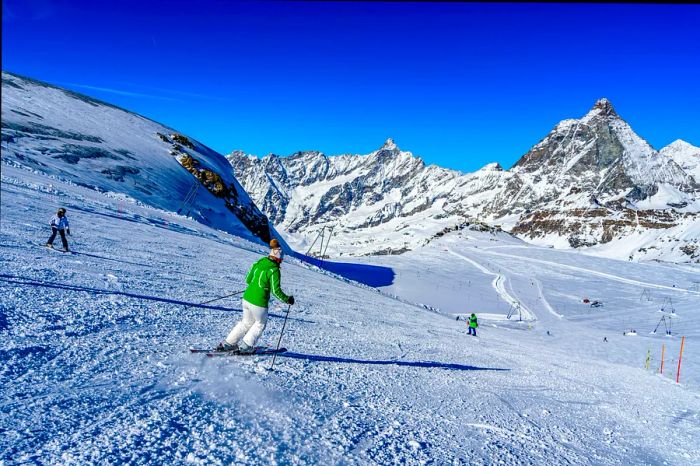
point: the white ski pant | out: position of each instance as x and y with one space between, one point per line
251 325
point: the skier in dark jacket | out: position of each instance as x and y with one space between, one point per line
473 324
59 224
263 278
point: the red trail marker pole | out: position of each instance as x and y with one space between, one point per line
680 356
663 348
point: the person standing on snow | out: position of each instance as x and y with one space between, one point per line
473 324
59 224
263 277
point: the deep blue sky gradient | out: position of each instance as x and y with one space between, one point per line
458 84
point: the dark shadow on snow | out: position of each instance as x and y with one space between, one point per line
371 275
110 259
170 272
63 286
428 364
136 218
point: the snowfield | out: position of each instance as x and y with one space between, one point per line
96 368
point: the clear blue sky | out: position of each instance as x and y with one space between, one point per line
458 84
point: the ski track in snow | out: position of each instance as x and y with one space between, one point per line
547 306
499 284
96 378
592 272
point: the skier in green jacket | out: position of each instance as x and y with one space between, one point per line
473 324
263 277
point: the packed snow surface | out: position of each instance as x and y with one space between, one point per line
96 368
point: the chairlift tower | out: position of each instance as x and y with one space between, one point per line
188 201
667 306
646 294
513 309
322 235
668 313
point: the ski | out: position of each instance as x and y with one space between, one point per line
56 249
214 350
257 352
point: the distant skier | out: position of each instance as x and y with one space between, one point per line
59 224
473 324
263 277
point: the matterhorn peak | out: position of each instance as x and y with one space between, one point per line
389 145
602 107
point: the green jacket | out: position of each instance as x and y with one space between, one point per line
262 277
472 322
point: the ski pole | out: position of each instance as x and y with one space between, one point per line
222 297
280 338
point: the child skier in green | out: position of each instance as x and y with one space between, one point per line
473 324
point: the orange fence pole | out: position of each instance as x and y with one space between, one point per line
680 356
663 348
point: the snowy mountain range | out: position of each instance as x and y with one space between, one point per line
591 183
91 143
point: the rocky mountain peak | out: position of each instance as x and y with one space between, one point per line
602 107
492 167
685 155
237 153
599 153
389 144
681 145
307 155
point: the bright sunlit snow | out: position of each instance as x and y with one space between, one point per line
96 366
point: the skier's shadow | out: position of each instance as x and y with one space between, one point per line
28 281
428 364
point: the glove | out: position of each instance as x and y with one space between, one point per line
291 300
68 231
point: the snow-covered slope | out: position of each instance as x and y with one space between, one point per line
94 366
92 143
589 182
